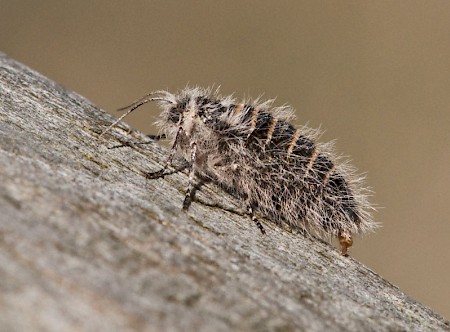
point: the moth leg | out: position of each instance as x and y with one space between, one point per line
190 189
154 138
162 172
255 220
346 241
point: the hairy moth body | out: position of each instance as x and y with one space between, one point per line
252 150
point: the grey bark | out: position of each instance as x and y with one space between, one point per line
88 243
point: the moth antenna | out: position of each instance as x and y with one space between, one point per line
132 107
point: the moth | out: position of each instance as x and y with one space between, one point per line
252 150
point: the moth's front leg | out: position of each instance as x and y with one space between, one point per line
162 172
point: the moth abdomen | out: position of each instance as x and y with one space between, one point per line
303 148
322 167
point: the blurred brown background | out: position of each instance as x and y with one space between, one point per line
375 75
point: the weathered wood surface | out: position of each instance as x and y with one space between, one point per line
87 243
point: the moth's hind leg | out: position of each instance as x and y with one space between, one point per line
250 210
